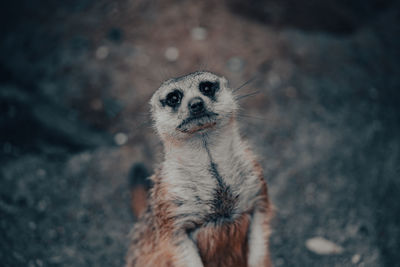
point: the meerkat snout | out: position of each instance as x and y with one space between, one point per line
196 106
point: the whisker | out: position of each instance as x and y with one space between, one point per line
247 121
140 126
143 114
251 117
245 83
247 95
242 115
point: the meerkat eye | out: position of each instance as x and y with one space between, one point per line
174 98
208 88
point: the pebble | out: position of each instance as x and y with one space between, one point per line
198 33
102 52
279 262
235 64
120 139
322 246
171 53
52 234
18 256
356 258
274 79
32 225
85 156
41 172
42 205
56 259
39 262
373 92
96 104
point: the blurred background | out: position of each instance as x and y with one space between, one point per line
76 77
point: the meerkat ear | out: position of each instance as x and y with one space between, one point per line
154 99
224 82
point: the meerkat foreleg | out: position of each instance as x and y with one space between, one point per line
189 254
258 241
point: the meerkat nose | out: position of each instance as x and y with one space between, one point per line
196 106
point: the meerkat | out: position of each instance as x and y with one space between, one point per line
209 204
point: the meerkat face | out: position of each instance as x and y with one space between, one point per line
194 103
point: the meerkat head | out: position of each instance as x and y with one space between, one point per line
196 103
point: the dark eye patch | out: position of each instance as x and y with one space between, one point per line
173 99
208 88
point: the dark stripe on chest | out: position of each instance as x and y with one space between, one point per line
223 202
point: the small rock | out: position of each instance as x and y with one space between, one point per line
373 92
96 104
321 246
18 256
356 258
56 259
274 79
69 252
39 262
120 139
102 52
198 33
42 205
52 234
279 262
32 225
85 156
235 64
171 53
41 172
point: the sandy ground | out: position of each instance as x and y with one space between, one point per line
74 85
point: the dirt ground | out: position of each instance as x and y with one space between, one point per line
76 77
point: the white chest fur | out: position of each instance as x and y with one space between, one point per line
210 178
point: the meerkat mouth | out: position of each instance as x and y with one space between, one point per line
194 124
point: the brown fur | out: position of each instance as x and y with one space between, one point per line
225 244
152 243
265 205
138 200
221 245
